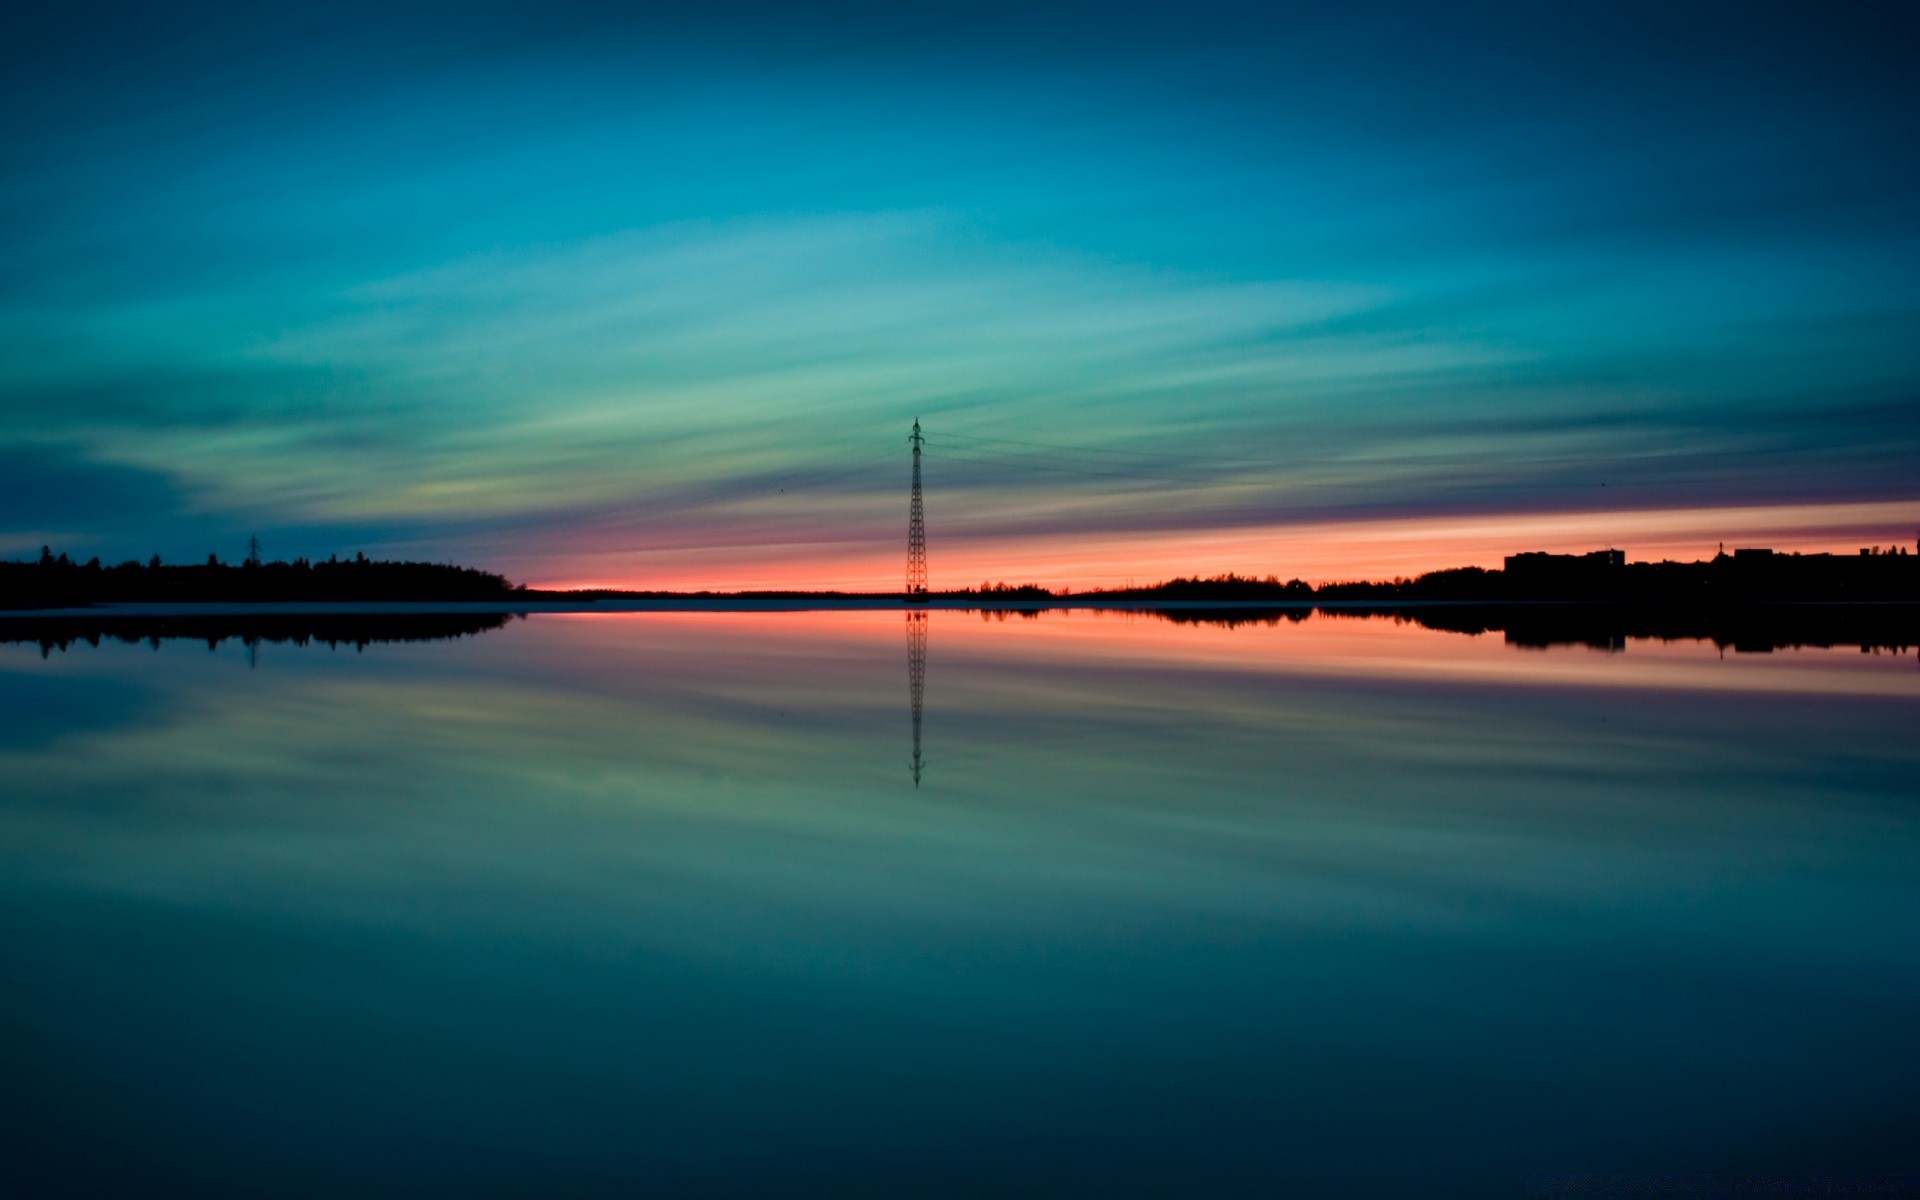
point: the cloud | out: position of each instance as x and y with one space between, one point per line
690 355
49 490
551 284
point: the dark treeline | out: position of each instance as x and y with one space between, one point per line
1743 577
1217 587
1002 591
1746 576
57 581
332 630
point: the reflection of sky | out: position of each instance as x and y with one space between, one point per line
587 901
650 299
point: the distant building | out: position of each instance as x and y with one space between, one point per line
1538 562
1751 554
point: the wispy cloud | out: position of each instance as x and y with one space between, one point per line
552 292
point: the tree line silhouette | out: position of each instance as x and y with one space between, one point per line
1604 577
53 581
1745 576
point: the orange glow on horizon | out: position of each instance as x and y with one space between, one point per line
1318 553
1320 645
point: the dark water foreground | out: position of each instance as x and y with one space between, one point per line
652 904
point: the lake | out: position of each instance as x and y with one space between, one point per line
855 903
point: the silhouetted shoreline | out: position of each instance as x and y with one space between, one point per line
1741 628
1702 594
1746 576
57 581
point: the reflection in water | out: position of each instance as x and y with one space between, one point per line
1754 628
634 905
1233 617
916 678
332 630
1744 629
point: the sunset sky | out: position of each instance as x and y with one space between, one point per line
650 296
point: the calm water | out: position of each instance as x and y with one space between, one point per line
652 905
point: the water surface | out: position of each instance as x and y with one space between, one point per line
654 904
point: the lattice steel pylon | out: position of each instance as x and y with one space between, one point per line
916 592
916 680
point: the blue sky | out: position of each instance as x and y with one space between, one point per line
649 295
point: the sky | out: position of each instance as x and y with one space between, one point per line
650 296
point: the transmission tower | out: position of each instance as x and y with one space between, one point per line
916 531
916 680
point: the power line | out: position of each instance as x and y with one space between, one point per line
916 531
